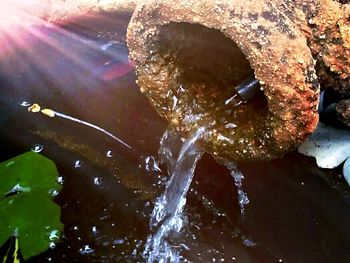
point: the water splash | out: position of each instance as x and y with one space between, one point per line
167 216
37 148
151 164
238 177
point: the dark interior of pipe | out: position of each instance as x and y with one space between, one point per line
205 55
208 65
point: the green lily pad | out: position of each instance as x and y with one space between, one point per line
30 215
28 172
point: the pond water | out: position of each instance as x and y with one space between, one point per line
296 212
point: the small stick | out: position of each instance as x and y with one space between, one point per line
51 113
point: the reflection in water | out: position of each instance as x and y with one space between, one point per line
167 215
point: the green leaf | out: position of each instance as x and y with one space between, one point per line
28 172
34 218
30 214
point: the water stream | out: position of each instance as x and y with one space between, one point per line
238 177
167 216
168 219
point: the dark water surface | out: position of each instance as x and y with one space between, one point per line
297 212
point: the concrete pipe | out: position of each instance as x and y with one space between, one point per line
189 55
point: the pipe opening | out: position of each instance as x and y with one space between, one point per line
197 70
204 55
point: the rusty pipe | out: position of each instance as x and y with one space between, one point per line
192 52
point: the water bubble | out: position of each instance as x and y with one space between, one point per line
60 180
109 154
248 242
25 103
85 250
37 148
77 164
94 230
181 89
230 126
151 164
106 46
52 245
118 241
97 180
175 101
54 235
53 192
18 188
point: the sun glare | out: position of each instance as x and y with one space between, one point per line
24 29
21 12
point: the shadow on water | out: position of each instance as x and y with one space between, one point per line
297 212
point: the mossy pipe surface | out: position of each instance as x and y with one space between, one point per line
188 54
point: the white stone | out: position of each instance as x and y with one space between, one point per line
330 146
346 171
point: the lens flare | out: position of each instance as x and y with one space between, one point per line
21 12
25 25
16 15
